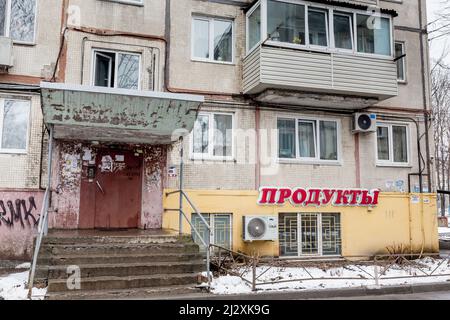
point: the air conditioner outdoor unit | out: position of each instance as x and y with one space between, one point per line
6 53
364 122
260 228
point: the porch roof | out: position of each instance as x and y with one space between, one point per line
117 115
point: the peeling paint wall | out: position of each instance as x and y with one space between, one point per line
66 183
19 217
153 185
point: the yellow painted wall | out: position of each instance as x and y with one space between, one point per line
396 220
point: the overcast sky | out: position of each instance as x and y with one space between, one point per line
437 46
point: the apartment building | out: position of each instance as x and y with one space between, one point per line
299 128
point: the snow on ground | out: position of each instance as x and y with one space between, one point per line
14 286
361 277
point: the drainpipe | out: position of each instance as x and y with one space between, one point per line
424 63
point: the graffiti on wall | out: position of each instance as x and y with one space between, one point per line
22 212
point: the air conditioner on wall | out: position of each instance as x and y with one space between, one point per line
260 228
6 54
364 122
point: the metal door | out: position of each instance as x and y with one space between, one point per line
118 187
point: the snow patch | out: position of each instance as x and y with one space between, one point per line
14 287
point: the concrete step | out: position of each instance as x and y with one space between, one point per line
79 259
114 283
121 294
126 239
118 248
128 269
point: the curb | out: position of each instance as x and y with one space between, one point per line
321 294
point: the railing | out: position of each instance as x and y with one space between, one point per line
205 242
43 218
238 264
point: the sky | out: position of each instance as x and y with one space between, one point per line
437 46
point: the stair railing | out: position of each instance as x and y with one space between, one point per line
43 218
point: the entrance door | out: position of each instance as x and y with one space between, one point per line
118 186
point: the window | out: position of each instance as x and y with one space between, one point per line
221 230
286 22
401 63
373 34
212 40
392 144
18 20
254 28
14 119
309 234
212 136
116 69
318 27
307 139
343 30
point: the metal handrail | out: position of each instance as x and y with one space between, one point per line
43 218
207 242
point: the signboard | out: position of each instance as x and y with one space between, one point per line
318 196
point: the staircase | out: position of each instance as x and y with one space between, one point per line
115 265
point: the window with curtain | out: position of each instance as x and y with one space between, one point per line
254 28
212 39
286 138
212 135
318 27
309 140
392 144
373 34
14 121
343 30
286 22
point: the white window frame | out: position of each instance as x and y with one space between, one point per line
330 26
403 60
316 159
211 21
327 27
27 138
8 23
96 51
351 17
211 217
391 162
210 155
247 25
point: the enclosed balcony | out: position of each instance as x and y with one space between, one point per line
319 54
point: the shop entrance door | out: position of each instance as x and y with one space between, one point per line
118 186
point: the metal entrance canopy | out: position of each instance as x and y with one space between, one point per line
90 113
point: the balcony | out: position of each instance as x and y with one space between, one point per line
319 53
282 75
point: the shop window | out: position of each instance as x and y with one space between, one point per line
18 20
212 39
310 234
392 144
14 122
221 229
308 139
116 69
373 36
212 136
401 63
343 30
